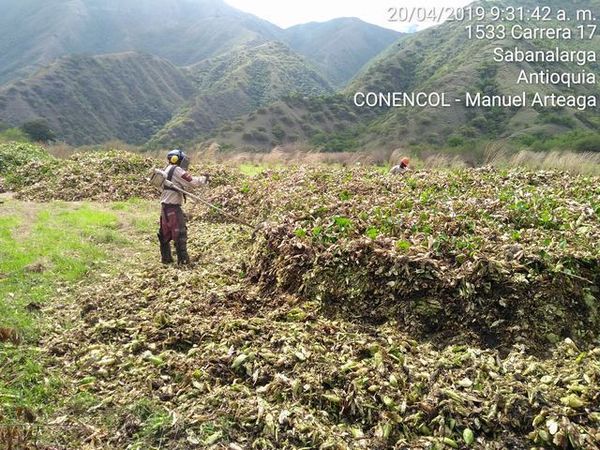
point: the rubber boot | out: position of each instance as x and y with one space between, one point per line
165 251
182 254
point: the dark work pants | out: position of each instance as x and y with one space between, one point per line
173 228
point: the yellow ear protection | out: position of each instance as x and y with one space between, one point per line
175 156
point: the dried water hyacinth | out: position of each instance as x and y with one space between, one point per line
230 367
347 320
515 253
100 176
17 154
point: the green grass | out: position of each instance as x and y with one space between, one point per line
42 247
13 135
252 169
142 223
156 421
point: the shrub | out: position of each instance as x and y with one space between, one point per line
588 144
14 155
38 131
13 135
278 133
455 141
557 119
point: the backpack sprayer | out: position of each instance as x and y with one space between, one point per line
159 180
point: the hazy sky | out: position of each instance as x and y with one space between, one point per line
286 13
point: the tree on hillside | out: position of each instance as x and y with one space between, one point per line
38 131
588 144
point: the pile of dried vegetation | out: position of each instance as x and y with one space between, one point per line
98 176
202 358
17 154
111 175
440 309
501 257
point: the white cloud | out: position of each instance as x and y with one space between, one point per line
286 13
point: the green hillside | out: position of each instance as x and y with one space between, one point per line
439 59
329 123
237 62
244 88
87 100
340 47
35 32
238 83
442 59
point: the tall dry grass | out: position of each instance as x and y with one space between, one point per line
63 150
294 154
586 163
577 163
497 154
285 155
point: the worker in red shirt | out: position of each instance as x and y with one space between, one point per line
401 168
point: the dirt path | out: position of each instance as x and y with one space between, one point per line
27 212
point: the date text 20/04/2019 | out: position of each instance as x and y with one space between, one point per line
434 14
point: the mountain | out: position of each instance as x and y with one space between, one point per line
339 47
36 32
133 96
87 100
226 75
238 83
315 122
185 32
439 59
214 63
443 59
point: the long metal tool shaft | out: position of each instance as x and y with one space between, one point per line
170 184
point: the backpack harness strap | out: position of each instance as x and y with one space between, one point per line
170 178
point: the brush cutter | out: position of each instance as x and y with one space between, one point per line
159 180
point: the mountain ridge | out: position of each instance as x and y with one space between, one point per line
262 86
339 47
86 99
438 59
40 38
170 29
184 32
238 83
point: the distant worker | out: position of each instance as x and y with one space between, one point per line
172 219
401 168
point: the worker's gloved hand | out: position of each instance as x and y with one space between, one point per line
202 180
206 177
